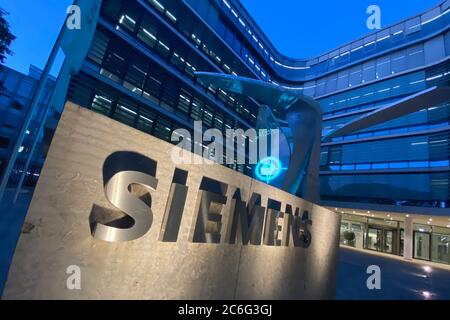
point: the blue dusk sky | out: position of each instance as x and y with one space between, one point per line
298 28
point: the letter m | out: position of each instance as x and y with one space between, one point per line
247 222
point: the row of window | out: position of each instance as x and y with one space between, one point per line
150 37
402 33
192 30
104 100
371 70
411 148
392 88
235 40
388 165
389 188
401 130
157 85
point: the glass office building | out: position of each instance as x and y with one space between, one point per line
140 71
16 93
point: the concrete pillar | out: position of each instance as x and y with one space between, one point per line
409 238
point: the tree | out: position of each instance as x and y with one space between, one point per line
6 37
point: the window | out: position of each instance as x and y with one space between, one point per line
383 67
399 61
380 166
145 121
125 112
163 130
128 22
369 71
4 142
342 82
101 104
355 75
17 105
147 36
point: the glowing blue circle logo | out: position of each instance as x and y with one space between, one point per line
268 169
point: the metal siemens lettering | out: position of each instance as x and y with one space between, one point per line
130 184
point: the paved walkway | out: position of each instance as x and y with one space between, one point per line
400 279
11 221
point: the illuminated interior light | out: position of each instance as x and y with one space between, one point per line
127 110
416 82
163 45
146 119
435 77
356 49
432 19
130 19
384 38
103 98
414 26
158 4
419 143
171 16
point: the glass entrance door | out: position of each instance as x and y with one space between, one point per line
388 242
373 239
382 239
422 245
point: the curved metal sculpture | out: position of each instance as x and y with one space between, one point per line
300 119
297 116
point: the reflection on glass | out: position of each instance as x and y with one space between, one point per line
357 229
440 248
402 242
388 241
373 239
422 245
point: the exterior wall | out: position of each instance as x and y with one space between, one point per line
71 183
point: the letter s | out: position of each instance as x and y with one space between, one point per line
119 187
305 234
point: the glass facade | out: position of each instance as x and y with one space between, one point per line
372 234
430 243
140 71
16 92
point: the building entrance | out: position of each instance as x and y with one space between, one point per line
382 239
